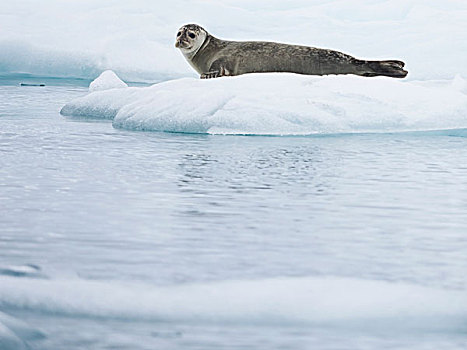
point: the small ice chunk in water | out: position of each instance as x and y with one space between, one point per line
107 80
28 270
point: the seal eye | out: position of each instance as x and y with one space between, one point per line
191 35
179 33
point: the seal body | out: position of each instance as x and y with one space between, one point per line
212 57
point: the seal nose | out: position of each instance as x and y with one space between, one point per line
177 43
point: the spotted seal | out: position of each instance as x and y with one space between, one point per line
212 57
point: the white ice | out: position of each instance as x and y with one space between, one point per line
107 80
337 302
280 104
82 38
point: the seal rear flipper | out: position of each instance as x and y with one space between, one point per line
394 63
389 68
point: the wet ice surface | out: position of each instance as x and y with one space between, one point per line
92 216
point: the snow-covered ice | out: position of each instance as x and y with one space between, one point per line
280 104
136 38
306 300
107 80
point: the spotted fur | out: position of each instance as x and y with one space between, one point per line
212 57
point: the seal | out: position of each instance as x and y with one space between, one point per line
212 57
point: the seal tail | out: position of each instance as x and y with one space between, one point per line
389 68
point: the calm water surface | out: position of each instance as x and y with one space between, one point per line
118 211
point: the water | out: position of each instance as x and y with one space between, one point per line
182 241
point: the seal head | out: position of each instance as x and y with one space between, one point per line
190 38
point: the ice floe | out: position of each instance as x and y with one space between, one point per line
280 104
340 302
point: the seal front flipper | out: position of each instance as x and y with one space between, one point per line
210 75
215 73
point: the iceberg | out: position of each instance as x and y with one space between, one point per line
107 80
280 104
136 38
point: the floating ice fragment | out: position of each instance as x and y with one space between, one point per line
26 84
279 104
107 80
349 303
28 270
